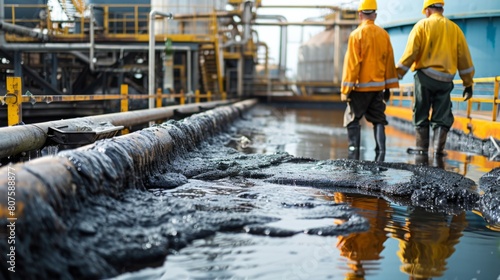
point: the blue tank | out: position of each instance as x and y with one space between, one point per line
479 20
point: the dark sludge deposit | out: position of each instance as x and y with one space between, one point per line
126 203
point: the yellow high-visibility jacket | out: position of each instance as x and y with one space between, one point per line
437 47
369 61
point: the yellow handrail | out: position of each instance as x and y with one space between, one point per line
14 111
493 99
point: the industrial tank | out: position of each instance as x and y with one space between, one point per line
479 20
187 7
318 61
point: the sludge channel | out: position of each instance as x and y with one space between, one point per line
221 195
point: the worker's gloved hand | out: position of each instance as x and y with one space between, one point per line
467 93
387 94
344 97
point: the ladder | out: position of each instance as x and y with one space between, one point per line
208 69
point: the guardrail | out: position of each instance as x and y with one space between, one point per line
481 105
119 21
14 99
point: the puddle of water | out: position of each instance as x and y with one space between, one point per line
401 243
318 133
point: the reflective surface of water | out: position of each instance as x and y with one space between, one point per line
402 242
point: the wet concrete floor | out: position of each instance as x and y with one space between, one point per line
269 198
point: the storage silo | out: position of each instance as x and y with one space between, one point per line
321 58
198 25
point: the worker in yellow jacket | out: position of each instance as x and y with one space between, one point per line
436 49
369 72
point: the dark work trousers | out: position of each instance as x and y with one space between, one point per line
430 93
371 105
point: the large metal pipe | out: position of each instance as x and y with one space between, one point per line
131 157
17 139
23 31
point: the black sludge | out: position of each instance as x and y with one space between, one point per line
490 201
65 224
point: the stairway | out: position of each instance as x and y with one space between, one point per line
63 10
68 8
208 69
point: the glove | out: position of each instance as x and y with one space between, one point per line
387 94
467 93
344 97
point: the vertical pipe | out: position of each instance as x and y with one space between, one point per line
336 52
53 76
18 61
239 84
92 39
151 56
189 79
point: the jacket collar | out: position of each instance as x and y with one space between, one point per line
367 21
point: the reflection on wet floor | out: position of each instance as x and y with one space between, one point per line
318 133
401 242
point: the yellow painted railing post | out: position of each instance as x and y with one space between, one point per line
401 92
124 100
106 20
495 99
197 96
124 103
224 95
158 98
14 101
209 96
469 108
182 98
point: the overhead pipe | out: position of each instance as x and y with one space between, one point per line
282 21
308 23
22 138
335 8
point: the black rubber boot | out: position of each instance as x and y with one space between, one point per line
422 159
440 134
379 133
438 161
354 137
422 141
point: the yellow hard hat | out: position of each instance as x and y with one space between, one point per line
427 3
367 6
